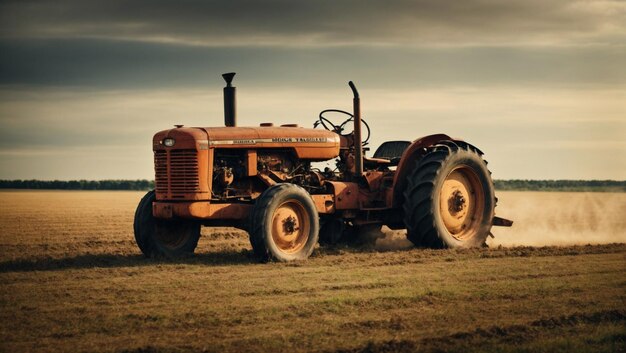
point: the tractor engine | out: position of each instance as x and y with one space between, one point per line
230 171
236 163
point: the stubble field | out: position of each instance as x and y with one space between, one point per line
72 279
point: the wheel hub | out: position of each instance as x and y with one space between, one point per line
290 225
456 202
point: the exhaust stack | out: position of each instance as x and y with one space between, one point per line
358 140
230 95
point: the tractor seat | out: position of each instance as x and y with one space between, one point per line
390 152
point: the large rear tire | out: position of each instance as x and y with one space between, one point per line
449 200
163 238
284 224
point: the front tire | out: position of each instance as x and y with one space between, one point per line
161 238
449 200
284 224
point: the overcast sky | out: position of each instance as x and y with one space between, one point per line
539 85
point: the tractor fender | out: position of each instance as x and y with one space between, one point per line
409 158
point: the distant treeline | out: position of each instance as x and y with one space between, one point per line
520 185
562 185
78 184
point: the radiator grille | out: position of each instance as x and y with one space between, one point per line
160 171
183 172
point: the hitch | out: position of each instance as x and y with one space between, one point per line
501 222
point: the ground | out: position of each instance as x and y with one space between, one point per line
72 279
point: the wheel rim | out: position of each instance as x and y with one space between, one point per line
290 226
462 203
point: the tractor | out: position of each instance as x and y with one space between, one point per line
264 180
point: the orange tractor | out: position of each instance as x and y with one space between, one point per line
263 180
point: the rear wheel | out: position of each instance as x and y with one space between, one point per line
156 237
284 224
449 201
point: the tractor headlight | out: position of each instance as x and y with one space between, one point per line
169 142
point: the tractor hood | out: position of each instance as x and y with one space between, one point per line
308 144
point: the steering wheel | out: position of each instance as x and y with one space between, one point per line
327 124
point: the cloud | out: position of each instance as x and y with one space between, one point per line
321 23
105 63
538 84
395 44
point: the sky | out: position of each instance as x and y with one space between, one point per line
538 85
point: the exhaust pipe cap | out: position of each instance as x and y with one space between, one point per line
228 77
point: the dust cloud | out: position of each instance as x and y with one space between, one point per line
547 218
561 218
393 240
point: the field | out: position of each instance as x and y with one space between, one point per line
72 279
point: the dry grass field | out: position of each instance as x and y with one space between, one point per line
72 280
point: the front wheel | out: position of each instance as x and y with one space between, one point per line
284 224
161 238
449 201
